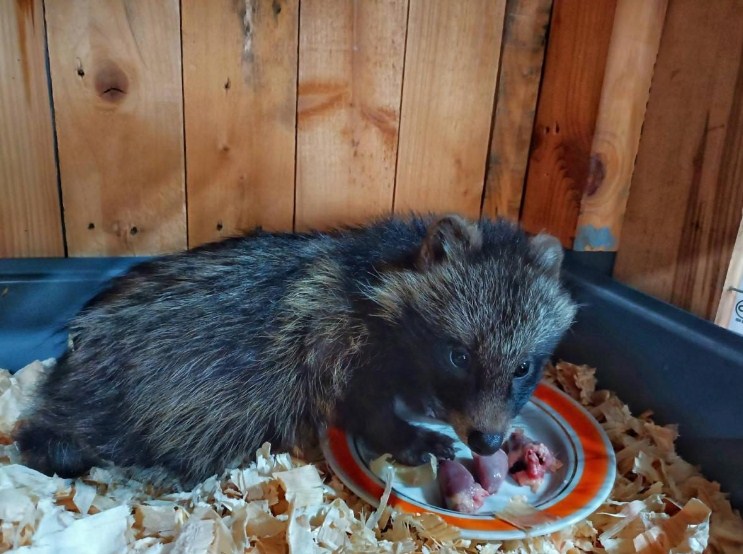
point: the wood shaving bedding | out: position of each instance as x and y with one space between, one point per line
278 503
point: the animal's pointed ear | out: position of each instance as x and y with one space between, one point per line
547 253
448 238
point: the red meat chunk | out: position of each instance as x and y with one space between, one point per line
490 471
459 489
528 460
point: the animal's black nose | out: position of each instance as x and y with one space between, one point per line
484 444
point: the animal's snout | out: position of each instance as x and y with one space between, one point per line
484 444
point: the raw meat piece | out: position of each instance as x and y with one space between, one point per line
528 460
490 471
458 488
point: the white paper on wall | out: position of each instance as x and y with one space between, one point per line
736 318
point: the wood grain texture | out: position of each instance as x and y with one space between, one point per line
351 58
635 39
566 115
239 82
733 280
451 69
522 56
116 69
30 216
684 210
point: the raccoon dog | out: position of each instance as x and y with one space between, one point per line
191 361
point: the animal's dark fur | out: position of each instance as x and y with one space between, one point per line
191 361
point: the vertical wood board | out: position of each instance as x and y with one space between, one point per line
116 69
684 209
566 115
239 81
451 69
635 40
350 78
524 41
30 217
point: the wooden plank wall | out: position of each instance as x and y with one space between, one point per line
239 87
116 73
566 116
351 57
445 126
685 203
161 124
30 217
522 55
633 49
274 113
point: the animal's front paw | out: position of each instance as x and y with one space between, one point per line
425 443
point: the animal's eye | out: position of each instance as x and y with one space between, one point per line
522 370
459 357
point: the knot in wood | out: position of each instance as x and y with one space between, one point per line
111 83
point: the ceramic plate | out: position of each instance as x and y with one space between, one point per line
570 495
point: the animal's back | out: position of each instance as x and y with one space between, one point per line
205 351
191 361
